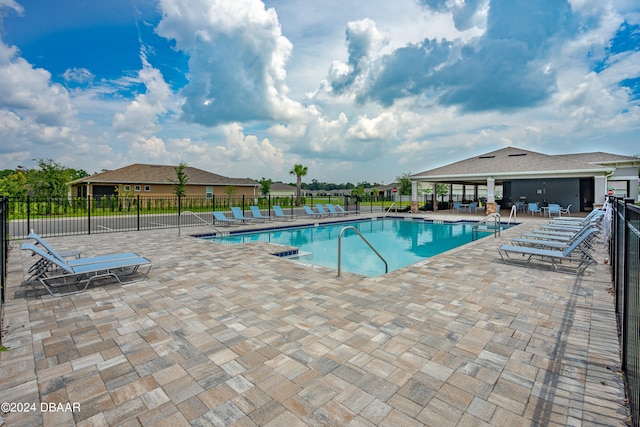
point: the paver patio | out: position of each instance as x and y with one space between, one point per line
231 335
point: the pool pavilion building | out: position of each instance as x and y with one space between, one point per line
580 180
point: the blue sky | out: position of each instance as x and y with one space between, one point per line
355 91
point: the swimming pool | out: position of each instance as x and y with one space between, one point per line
401 242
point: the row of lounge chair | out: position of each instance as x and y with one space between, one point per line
567 243
256 214
57 270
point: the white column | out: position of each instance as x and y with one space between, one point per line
414 196
600 189
491 190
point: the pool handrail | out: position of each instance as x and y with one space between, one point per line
218 231
495 217
386 266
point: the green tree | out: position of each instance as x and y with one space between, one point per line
404 184
181 180
299 171
358 191
265 186
49 180
442 190
14 185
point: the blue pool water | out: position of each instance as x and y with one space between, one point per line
400 242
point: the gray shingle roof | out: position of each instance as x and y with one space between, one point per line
162 174
512 160
601 158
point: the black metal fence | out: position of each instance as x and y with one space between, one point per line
4 249
81 215
624 253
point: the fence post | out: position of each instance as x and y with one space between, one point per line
28 214
88 214
179 208
138 214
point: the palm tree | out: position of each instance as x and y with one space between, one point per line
299 171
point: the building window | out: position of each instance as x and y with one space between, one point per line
136 188
209 192
147 188
126 187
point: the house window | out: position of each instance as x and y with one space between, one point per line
209 191
126 187
136 188
147 188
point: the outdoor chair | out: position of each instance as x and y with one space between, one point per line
221 219
333 210
277 211
239 215
340 209
257 213
80 273
552 209
565 211
586 246
534 208
322 211
310 212
569 260
596 213
59 254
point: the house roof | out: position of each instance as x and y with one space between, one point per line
279 186
511 163
161 174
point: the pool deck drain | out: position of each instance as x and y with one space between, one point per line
231 335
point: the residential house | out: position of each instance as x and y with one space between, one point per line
156 180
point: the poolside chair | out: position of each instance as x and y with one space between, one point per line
333 210
59 254
569 260
322 211
43 267
571 226
340 209
457 206
565 211
257 213
277 210
534 208
473 206
596 213
221 219
84 271
239 215
308 211
552 209
586 246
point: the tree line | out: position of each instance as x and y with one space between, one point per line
48 179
